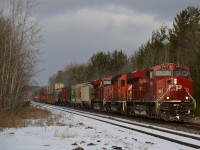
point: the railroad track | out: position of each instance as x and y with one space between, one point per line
180 126
185 139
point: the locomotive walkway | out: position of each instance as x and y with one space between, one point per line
189 140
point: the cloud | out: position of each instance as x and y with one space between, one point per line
105 29
165 9
76 36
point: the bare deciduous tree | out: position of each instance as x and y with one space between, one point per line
19 36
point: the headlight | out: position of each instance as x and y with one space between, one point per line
186 97
160 91
167 97
175 81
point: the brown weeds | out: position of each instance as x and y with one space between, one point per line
16 119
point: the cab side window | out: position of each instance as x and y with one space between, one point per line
122 83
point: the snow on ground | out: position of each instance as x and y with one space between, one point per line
65 131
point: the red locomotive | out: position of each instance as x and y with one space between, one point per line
164 92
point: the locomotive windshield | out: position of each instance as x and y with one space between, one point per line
163 73
182 73
107 82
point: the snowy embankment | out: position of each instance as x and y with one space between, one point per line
65 131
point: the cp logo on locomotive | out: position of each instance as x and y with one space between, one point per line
176 87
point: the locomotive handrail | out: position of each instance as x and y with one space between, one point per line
194 101
162 95
107 96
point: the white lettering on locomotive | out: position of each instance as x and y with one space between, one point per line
177 87
130 87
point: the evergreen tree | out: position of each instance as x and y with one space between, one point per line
185 43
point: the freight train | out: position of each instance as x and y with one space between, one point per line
164 91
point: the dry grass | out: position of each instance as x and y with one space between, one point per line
31 112
17 119
32 116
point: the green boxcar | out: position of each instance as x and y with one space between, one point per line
73 95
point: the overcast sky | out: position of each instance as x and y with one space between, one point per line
74 30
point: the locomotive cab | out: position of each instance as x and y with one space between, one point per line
96 95
173 92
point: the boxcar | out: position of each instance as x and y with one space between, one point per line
65 96
87 91
53 91
79 102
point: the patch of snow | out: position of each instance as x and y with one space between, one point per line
72 131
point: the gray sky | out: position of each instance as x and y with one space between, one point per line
73 30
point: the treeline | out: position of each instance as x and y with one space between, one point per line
19 33
100 65
181 44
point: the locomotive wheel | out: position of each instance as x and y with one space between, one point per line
165 116
107 107
132 112
128 110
